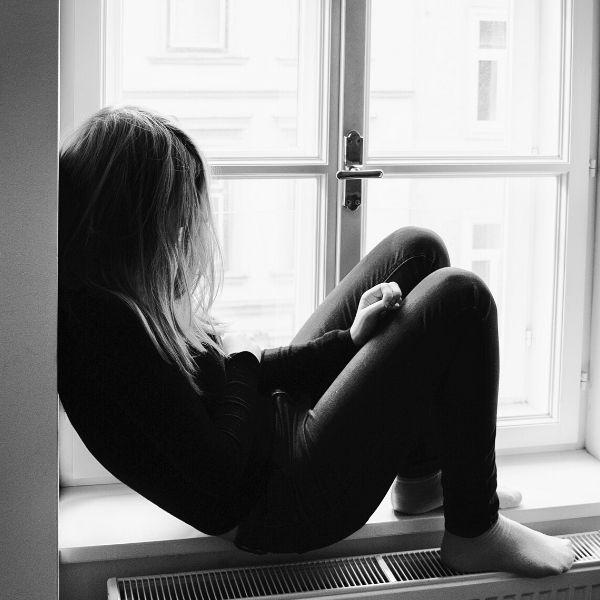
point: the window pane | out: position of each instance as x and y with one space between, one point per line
492 34
268 231
197 24
504 230
245 78
487 92
465 78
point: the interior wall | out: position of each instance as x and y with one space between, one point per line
28 215
592 421
592 424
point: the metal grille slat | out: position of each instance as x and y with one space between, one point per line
334 581
398 569
241 584
216 587
418 570
381 575
208 580
358 576
137 590
268 581
435 566
223 587
210 590
423 565
367 572
340 569
167 585
310 577
281 580
164 586
187 588
179 590
344 567
594 542
321 579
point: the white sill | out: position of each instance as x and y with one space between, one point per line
112 522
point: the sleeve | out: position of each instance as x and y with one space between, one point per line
235 411
310 366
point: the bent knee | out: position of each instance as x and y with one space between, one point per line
420 241
468 287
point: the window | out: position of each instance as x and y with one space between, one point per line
471 108
491 60
196 25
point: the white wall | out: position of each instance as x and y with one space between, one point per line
592 433
28 213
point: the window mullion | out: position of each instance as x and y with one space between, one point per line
354 110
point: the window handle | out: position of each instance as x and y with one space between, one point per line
353 170
357 172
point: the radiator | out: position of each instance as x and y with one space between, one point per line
416 574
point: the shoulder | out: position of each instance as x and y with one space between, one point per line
96 312
98 333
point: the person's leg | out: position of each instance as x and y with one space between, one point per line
406 256
436 359
432 367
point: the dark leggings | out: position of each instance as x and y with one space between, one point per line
420 395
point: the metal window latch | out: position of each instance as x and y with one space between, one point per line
353 171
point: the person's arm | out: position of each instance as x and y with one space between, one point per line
310 366
314 365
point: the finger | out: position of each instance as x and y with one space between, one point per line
375 308
389 294
397 290
371 295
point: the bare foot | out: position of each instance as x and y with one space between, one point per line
508 546
419 495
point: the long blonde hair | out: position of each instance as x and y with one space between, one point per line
135 220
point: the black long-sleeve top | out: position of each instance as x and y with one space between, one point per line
202 458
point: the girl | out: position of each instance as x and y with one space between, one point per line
392 379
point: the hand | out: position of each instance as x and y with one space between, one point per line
238 342
383 298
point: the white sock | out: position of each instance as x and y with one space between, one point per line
418 495
508 546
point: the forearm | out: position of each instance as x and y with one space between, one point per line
310 366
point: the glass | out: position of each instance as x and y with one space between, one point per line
268 229
464 79
504 230
492 34
244 78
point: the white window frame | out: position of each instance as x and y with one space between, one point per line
345 71
578 145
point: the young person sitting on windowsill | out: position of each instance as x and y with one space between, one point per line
394 375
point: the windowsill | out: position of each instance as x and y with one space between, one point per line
111 522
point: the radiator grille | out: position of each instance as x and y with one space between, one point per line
358 573
587 546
